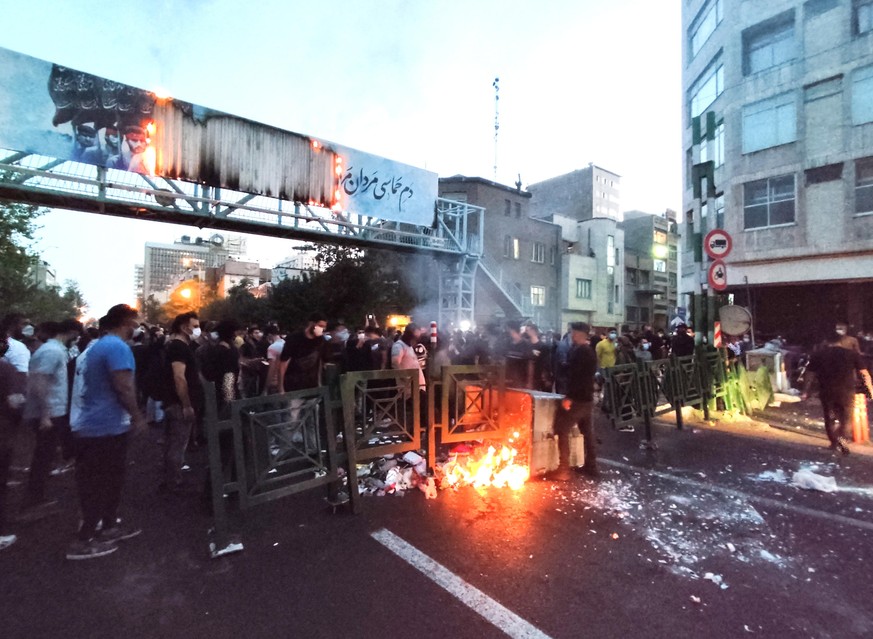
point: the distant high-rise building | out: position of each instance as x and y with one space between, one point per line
166 264
778 141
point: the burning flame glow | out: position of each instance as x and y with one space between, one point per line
149 160
485 467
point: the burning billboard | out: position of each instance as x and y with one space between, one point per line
51 110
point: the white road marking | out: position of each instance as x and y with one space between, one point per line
730 492
476 600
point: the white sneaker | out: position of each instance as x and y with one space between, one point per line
6 541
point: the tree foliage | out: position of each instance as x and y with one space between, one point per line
352 284
18 291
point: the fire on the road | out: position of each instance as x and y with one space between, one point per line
498 465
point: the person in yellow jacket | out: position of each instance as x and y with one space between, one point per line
606 351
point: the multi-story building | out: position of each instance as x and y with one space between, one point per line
584 204
233 273
651 268
517 275
41 274
778 135
166 264
138 284
295 266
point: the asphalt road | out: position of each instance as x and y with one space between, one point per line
704 537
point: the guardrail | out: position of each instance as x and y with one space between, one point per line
643 390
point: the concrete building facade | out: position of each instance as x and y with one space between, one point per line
517 276
585 204
651 268
166 264
778 140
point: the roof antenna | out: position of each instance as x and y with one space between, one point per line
496 85
518 183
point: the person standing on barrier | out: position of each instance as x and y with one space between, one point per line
576 407
835 367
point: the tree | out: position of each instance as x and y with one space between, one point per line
151 310
17 228
17 289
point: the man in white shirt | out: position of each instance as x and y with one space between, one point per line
15 325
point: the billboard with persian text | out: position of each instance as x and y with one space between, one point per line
59 112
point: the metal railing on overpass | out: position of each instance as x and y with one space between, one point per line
53 183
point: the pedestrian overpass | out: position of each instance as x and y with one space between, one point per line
166 160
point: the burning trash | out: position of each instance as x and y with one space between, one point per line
481 465
490 464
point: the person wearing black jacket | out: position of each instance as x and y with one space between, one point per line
576 406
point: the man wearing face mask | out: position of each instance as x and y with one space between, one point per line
15 328
184 400
846 340
302 356
46 410
101 429
607 350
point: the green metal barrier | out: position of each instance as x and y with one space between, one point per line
264 448
622 394
381 416
466 403
646 389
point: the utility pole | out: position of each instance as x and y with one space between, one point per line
496 85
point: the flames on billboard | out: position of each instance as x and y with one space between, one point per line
59 112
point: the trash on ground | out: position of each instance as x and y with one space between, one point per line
809 480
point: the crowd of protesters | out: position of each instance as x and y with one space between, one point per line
82 391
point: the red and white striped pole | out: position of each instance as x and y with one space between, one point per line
716 335
433 333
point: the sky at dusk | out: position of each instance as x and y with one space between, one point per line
580 81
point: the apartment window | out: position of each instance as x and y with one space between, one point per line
644 278
813 8
518 210
553 255
671 278
864 186
769 44
769 123
719 212
671 253
659 237
538 295
718 144
630 313
706 88
862 95
583 289
660 266
630 276
507 208
610 250
644 315
704 25
862 16
769 202
538 254
510 247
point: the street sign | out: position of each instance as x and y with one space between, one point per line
717 276
718 244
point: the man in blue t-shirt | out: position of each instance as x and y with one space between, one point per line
109 413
